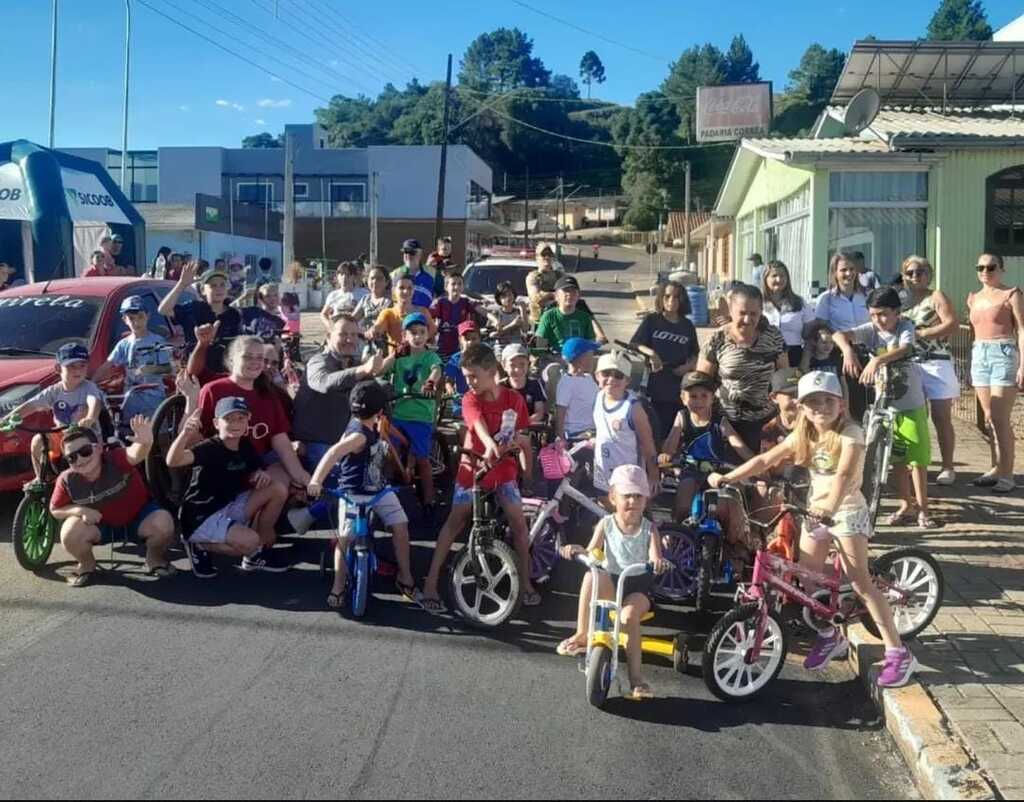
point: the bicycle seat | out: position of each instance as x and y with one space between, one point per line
649 615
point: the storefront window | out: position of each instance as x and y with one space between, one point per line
786 230
884 215
1004 212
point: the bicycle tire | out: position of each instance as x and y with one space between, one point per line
360 584
681 547
710 558
497 552
599 668
167 485
879 452
727 629
935 592
34 532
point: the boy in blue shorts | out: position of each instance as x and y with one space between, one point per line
495 415
415 370
360 456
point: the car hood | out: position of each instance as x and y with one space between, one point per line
14 370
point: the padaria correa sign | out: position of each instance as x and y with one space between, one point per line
733 111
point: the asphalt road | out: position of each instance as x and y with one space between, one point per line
246 687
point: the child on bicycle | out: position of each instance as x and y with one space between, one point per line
451 312
577 391
360 455
832 447
623 428
488 410
227 490
469 335
627 538
72 400
415 370
516 361
891 339
510 320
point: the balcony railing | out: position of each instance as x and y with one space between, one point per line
325 208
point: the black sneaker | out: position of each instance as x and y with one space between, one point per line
263 560
202 563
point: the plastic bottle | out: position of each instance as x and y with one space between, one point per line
508 427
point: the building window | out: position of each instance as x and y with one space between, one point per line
786 236
143 174
301 190
348 192
884 215
1004 212
259 193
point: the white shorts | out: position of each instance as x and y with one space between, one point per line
853 522
939 379
388 510
215 528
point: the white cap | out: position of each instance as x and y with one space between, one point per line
630 480
513 350
615 360
819 381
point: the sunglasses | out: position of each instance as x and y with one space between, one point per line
83 453
987 268
916 274
613 374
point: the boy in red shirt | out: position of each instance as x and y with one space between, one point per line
494 416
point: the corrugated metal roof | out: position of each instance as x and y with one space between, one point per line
675 228
779 148
895 123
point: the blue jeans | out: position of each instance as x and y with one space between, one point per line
994 363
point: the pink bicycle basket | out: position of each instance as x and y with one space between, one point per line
554 462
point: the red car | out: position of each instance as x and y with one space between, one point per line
35 320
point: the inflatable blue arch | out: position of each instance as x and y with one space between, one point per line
46 197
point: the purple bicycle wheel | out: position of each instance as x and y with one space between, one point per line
681 547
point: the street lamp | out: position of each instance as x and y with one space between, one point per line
127 70
53 74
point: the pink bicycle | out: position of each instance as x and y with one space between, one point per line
747 648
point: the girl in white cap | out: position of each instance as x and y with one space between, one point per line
828 443
627 538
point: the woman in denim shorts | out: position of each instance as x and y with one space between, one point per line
997 315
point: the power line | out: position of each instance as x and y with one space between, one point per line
596 35
237 55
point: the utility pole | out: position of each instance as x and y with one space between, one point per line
559 210
127 72
526 211
444 154
289 198
686 217
53 74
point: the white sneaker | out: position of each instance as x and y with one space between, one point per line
946 478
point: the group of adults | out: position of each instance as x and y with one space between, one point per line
770 326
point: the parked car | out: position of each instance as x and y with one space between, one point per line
35 320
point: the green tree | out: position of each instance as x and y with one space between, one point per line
564 86
591 70
696 67
263 140
502 60
816 77
740 67
958 20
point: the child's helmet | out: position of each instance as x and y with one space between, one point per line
367 399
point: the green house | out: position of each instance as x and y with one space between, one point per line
938 171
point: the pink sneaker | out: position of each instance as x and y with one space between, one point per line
826 648
899 667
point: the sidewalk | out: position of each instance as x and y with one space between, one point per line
973 654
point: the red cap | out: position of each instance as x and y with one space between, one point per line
468 325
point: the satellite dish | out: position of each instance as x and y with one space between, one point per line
861 110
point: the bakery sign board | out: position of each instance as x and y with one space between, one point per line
733 111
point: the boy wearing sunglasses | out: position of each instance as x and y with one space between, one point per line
102 494
624 434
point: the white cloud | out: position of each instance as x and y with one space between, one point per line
184 108
261 122
223 103
275 79
269 103
229 104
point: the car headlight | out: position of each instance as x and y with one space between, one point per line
16 395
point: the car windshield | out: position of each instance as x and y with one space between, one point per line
484 279
40 324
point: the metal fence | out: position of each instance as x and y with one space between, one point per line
967 407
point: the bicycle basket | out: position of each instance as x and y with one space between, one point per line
554 462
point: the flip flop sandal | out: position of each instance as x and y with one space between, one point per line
82 580
901 519
570 648
640 693
336 601
430 605
406 591
532 599
162 571
927 522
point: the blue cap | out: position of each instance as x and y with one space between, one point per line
411 246
414 319
72 352
133 303
575 347
230 404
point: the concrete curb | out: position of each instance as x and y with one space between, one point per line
941 767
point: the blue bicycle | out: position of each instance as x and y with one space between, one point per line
361 557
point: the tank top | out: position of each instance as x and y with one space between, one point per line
616 438
923 315
703 443
622 550
361 472
993 322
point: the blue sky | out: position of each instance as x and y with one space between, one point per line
188 92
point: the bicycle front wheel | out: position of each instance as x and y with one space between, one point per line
876 467
34 533
486 586
360 584
730 671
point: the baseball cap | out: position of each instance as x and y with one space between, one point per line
510 352
630 480
230 404
819 381
236 260
411 246
696 378
754 256
467 326
210 275
132 303
575 347
367 399
615 360
786 380
544 246
414 319
567 282
69 353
